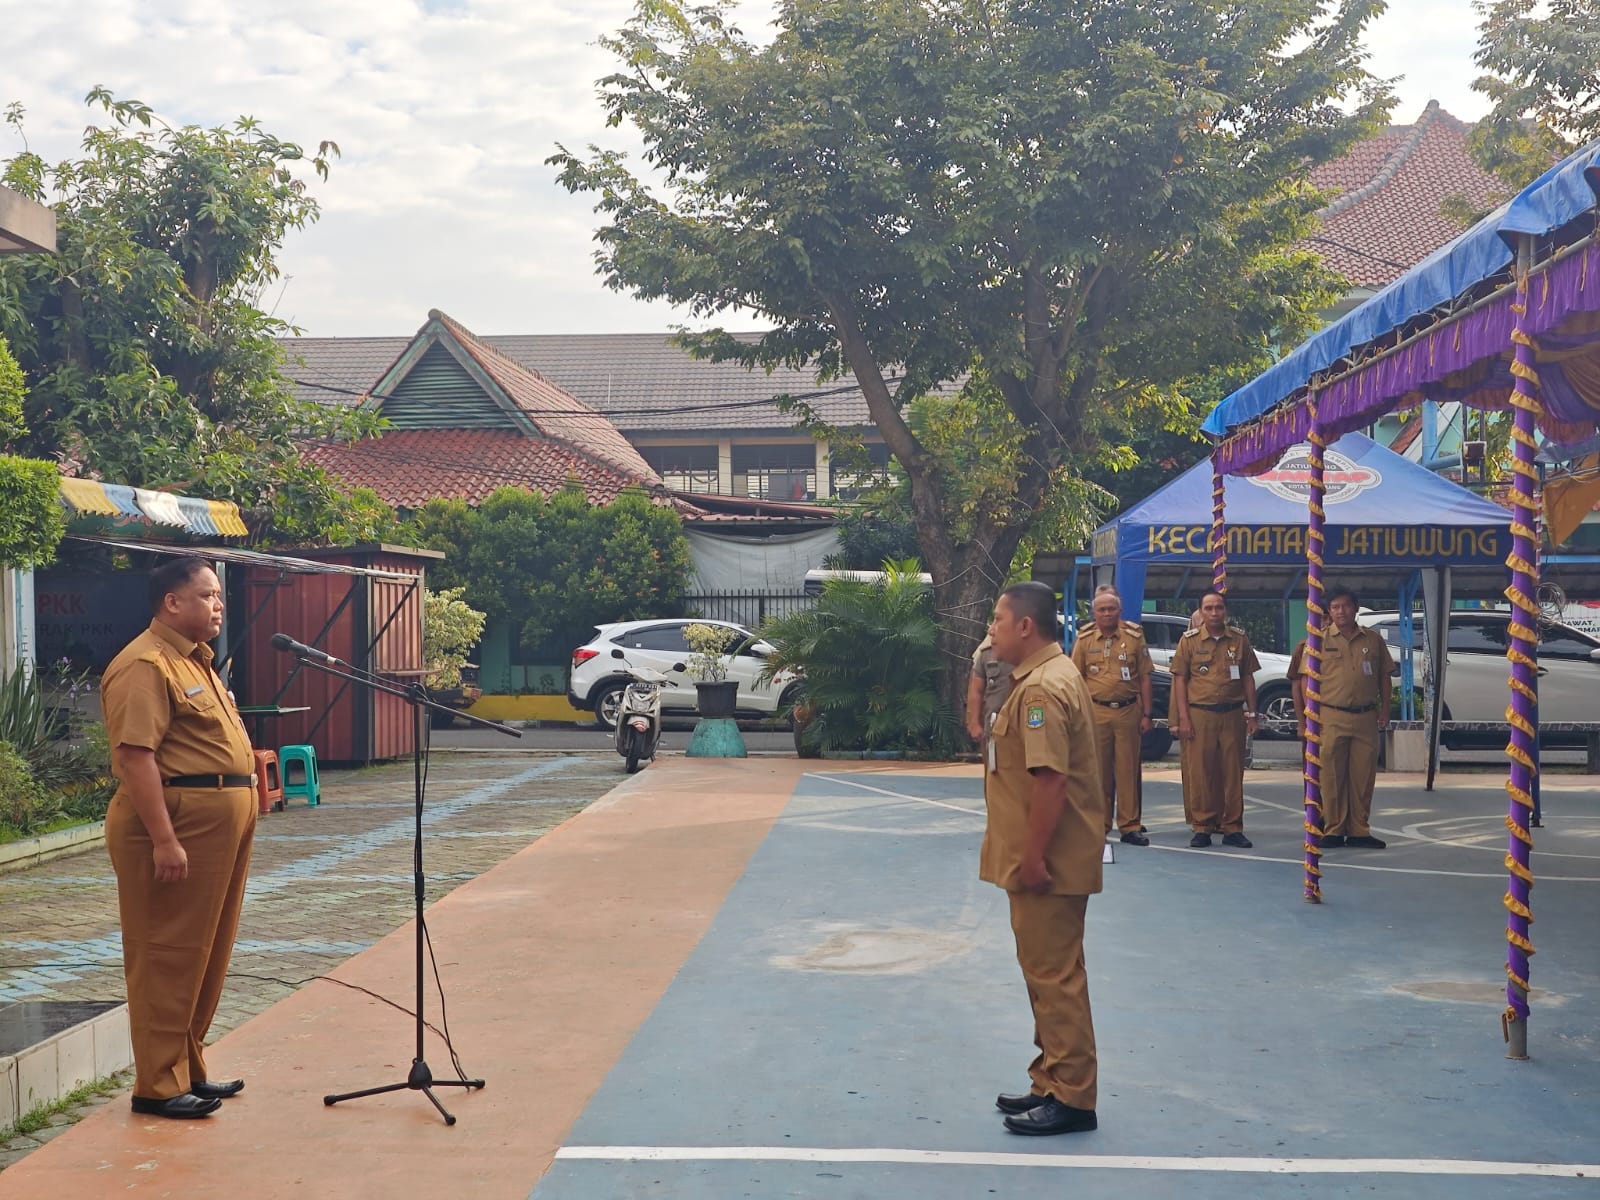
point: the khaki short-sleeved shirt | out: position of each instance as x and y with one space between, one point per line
161 694
1355 669
1214 668
1045 722
1112 664
996 677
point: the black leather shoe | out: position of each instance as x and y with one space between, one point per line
1237 839
179 1107
1134 838
1200 839
1026 1102
208 1089
1053 1117
1332 841
1367 842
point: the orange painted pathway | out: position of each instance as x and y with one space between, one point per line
550 962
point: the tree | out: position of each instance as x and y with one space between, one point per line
450 629
1541 60
31 520
1086 201
553 569
146 319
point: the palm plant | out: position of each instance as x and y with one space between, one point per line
867 652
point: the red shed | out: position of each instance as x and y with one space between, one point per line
364 606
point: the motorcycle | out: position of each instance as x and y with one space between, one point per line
638 729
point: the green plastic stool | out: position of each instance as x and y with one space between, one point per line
297 766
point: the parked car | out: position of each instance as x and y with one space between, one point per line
1477 672
596 684
1274 695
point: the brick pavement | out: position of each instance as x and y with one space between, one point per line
325 882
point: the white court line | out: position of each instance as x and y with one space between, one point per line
1096 1162
867 787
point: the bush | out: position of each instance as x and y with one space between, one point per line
68 769
870 663
710 643
25 807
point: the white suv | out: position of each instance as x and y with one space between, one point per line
596 682
1476 686
1274 695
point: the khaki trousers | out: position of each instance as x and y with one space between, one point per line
1049 933
1116 736
1349 771
177 938
1215 772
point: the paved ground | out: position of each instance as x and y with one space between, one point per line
326 882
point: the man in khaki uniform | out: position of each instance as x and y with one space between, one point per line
1112 656
179 831
1356 669
1042 844
1214 697
987 689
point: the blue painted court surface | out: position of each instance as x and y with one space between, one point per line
844 1026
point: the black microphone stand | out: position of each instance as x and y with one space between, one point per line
420 1078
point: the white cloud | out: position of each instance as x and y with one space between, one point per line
445 111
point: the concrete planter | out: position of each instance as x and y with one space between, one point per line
29 852
1407 750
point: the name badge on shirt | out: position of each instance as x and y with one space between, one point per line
1233 671
1127 675
1366 667
195 691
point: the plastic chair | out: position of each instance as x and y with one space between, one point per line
269 782
300 774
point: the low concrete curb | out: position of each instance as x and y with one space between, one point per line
30 852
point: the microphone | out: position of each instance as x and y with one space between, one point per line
282 641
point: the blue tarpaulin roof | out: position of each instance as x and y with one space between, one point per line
1560 195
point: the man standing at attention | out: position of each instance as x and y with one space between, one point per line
987 689
1214 700
179 831
1356 668
1111 655
1042 844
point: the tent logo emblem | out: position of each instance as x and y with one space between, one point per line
1343 478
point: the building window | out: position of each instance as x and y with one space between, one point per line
849 483
776 472
685 468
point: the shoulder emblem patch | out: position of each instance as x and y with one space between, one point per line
1035 716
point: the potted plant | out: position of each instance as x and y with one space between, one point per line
708 666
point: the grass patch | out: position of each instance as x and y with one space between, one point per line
37 1117
9 834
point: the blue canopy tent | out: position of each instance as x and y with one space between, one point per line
1506 316
1387 518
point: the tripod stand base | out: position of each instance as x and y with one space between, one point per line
419 1080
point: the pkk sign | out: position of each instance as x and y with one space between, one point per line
1342 477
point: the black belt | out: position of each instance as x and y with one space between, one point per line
1218 707
1343 708
1115 703
212 781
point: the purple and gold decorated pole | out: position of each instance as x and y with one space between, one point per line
1219 533
1311 664
1522 714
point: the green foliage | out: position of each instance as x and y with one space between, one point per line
13 387
869 657
32 521
24 805
450 628
1541 62
145 318
555 568
711 645
870 533
68 771
1082 205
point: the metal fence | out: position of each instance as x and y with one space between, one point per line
748 608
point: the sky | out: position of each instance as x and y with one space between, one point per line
445 111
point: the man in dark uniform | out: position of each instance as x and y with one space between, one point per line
1042 844
1356 668
987 689
1114 661
179 831
1214 698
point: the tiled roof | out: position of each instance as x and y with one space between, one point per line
409 467
642 381
1391 188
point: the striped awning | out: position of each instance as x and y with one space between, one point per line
127 506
